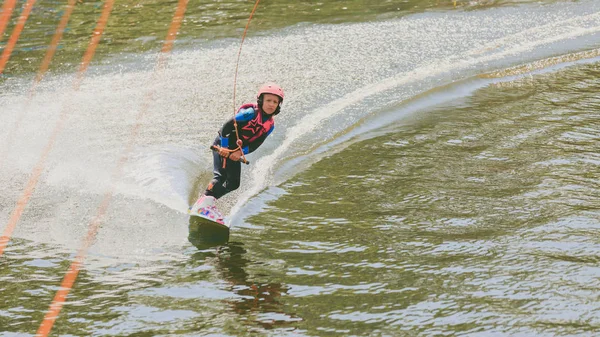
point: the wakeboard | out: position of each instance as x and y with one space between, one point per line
205 230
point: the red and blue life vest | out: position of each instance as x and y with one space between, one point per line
253 127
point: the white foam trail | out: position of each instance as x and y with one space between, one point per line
518 45
164 175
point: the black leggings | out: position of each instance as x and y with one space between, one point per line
225 179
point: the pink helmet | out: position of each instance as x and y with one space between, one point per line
270 88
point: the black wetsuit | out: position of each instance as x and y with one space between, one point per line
253 127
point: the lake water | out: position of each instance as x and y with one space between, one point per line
433 172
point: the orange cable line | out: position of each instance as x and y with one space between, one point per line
37 171
75 267
60 29
41 72
12 41
7 9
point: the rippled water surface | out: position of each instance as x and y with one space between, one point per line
138 26
473 218
436 175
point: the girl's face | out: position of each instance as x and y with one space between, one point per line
270 103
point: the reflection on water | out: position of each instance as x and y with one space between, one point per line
257 302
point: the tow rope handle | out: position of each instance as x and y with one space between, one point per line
217 148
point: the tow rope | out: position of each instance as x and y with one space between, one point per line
237 64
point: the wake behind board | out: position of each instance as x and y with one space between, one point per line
204 230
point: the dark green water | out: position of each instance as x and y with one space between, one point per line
475 215
455 222
471 219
